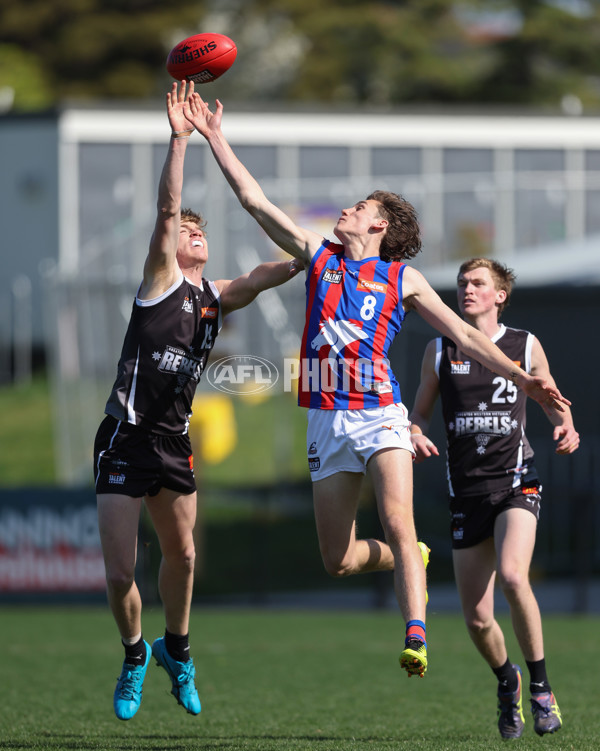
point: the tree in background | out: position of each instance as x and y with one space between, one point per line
380 53
89 49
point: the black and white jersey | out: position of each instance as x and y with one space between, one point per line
165 351
484 416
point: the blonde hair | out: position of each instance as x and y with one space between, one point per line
187 215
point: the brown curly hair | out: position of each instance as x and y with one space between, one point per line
402 239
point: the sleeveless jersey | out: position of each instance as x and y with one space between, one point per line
353 312
484 416
165 351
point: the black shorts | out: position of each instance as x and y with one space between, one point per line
473 517
131 461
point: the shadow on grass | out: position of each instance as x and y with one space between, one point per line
153 742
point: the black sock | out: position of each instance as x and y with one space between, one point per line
178 646
537 676
507 678
135 654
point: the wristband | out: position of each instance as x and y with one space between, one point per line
181 133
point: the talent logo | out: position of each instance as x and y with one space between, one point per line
460 367
210 312
332 276
188 305
242 374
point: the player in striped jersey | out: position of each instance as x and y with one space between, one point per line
494 489
358 293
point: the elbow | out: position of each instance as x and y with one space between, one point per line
168 210
249 205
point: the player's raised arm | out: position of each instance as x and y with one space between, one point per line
299 242
420 296
160 268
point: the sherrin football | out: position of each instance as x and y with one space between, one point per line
201 58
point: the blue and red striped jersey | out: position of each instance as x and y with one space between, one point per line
353 313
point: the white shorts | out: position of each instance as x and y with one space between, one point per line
343 440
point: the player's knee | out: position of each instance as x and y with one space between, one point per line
119 581
183 559
399 531
478 624
513 580
187 559
337 568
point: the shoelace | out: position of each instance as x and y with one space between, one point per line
187 673
128 684
545 708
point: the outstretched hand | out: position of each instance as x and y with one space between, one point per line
547 396
176 99
199 115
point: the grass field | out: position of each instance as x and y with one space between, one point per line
272 680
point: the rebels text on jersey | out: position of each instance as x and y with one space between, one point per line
353 312
165 351
485 417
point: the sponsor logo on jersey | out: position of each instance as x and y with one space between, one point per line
314 464
333 276
176 362
366 285
492 423
188 306
381 387
336 335
460 367
210 312
116 478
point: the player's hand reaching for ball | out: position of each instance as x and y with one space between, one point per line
176 100
199 115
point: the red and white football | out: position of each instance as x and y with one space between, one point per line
201 58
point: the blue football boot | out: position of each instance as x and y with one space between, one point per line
128 693
182 676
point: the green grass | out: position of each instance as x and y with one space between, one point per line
273 681
26 437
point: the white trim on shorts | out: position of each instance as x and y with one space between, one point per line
343 440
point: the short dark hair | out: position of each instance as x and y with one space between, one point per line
402 239
187 215
503 277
